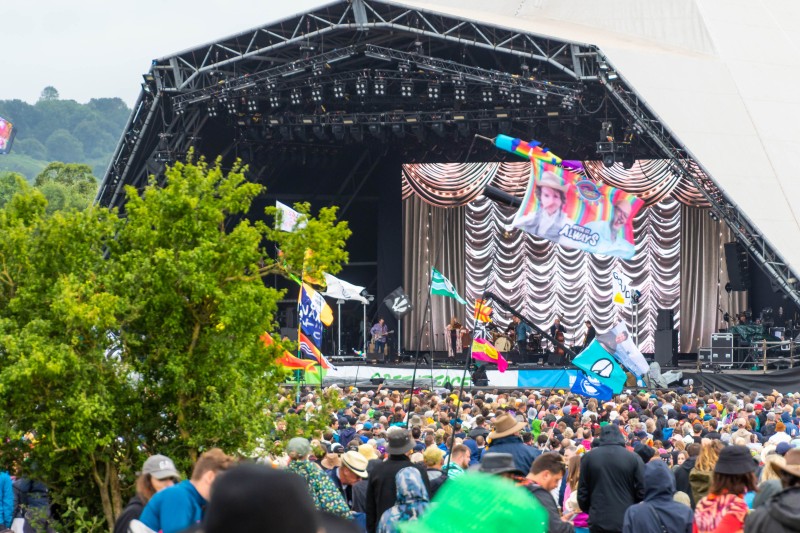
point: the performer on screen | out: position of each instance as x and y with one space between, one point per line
452 337
379 333
549 218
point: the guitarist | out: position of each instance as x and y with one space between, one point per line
379 333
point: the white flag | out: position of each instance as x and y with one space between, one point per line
288 218
341 290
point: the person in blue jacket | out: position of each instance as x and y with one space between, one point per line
6 499
178 507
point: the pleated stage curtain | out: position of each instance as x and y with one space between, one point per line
703 278
434 237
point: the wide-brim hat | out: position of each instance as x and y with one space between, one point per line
398 441
552 180
498 463
734 460
356 463
504 426
792 465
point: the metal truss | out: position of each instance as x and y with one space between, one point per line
647 123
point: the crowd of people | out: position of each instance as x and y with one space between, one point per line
543 460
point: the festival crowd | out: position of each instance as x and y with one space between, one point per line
544 460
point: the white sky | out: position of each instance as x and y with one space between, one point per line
100 48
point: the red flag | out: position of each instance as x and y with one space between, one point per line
287 360
310 351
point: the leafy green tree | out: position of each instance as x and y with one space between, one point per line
67 186
63 146
120 338
11 183
31 147
48 94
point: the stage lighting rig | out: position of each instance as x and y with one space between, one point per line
486 95
514 97
612 152
407 88
379 87
338 90
212 108
252 104
274 100
296 97
459 90
362 86
434 90
316 93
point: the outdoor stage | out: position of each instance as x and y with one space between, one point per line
375 107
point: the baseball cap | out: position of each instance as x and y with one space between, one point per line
160 467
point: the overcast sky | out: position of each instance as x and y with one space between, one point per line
100 48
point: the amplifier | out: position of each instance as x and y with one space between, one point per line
722 348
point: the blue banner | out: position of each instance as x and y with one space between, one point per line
601 365
309 318
591 388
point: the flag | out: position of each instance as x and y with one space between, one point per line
288 218
482 350
483 313
308 316
287 360
441 285
590 387
321 307
618 341
601 365
624 293
398 302
342 290
310 351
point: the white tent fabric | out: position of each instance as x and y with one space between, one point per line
723 75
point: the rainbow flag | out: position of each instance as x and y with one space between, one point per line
534 151
310 351
482 350
287 360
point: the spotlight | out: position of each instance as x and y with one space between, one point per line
230 106
179 109
212 109
568 102
376 130
274 100
379 87
399 130
486 95
514 97
319 132
608 160
628 160
434 90
713 216
316 93
300 133
541 100
252 104
362 86
404 67
296 97
271 84
338 89
459 90
407 89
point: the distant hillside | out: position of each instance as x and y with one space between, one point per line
62 130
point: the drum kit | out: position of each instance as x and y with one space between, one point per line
505 342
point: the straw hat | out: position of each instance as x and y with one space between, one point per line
504 426
792 465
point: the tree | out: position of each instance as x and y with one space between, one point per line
48 94
125 337
11 183
67 186
63 146
31 147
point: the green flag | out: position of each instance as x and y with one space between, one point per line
441 285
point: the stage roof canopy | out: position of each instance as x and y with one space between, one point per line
713 81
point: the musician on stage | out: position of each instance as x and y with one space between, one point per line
556 327
379 333
588 336
521 332
453 337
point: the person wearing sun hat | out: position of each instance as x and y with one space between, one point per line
782 512
505 438
551 193
724 509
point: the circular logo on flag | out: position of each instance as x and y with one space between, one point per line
588 388
588 190
603 367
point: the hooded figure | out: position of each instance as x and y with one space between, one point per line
412 500
611 480
658 512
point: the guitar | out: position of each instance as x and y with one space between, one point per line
378 337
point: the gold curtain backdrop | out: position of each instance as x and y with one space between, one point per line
449 222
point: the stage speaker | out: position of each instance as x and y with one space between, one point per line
666 353
665 320
555 359
377 357
738 263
